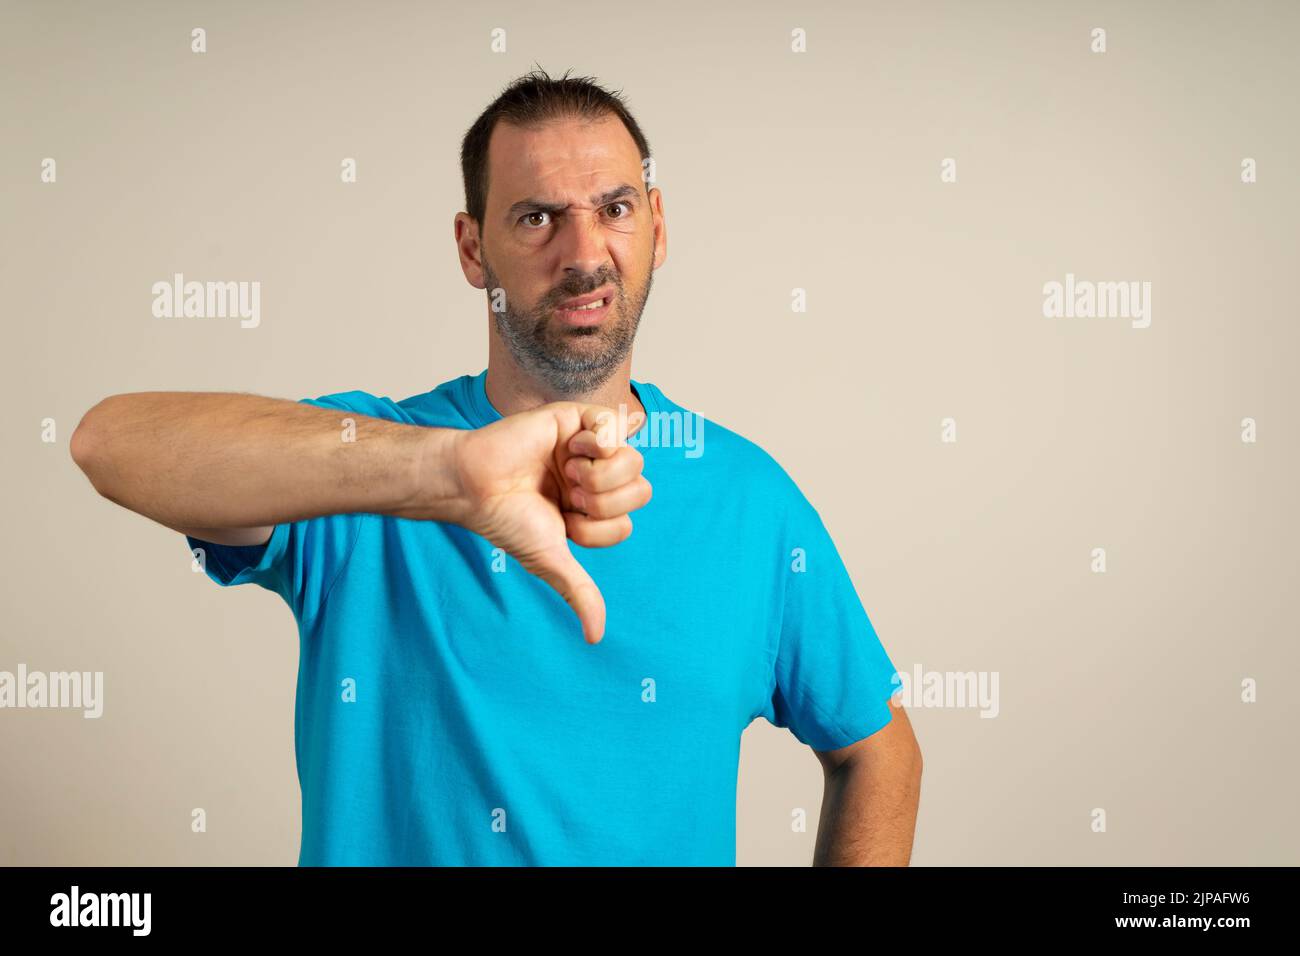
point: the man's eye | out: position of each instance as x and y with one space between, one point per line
625 205
529 215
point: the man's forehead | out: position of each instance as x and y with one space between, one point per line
560 160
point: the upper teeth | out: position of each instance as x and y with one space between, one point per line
590 305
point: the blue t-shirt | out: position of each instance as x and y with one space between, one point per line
449 711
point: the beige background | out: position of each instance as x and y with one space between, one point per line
779 170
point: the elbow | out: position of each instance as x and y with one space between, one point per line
87 446
82 444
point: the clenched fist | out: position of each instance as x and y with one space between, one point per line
536 479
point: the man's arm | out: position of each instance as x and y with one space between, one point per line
872 791
228 467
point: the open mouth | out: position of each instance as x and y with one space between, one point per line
587 312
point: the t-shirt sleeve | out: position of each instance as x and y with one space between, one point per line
299 562
833 677
302 559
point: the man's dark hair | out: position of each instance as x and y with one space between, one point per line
529 101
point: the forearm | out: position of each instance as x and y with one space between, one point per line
868 815
230 460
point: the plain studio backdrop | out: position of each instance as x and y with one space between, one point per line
1158 691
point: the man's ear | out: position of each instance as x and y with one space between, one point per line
469 249
660 226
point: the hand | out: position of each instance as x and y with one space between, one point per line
534 480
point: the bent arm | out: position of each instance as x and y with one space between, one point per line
227 467
872 792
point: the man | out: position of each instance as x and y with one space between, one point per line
446 712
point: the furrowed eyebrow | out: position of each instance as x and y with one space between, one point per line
621 191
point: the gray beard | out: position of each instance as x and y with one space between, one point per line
541 347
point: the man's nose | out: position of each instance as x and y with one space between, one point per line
582 244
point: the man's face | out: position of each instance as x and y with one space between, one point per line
568 217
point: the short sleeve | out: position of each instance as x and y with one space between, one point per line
833 678
302 559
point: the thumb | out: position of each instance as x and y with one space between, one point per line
561 570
